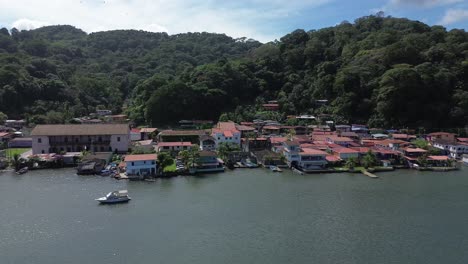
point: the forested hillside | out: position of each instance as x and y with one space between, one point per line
52 74
378 70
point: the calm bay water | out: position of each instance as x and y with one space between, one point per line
241 216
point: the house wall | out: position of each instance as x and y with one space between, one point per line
219 138
141 167
40 147
135 136
120 145
348 155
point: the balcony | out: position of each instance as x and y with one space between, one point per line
78 143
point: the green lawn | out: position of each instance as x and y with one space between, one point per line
12 151
170 168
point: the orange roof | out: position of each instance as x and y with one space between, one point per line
277 140
332 158
415 150
339 139
345 150
361 149
438 158
141 157
271 127
440 133
148 129
311 151
227 133
2 134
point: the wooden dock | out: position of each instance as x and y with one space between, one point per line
365 172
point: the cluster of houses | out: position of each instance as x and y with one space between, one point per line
308 148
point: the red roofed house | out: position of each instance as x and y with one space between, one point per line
307 159
271 107
135 134
5 137
277 143
393 144
449 137
173 147
342 141
226 132
345 153
141 165
404 137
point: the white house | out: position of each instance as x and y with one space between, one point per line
307 159
226 132
454 150
142 164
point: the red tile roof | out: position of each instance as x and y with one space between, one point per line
345 150
311 151
148 129
331 158
227 133
438 158
141 157
415 150
440 134
2 134
277 140
135 130
462 139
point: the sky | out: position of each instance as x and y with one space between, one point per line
263 20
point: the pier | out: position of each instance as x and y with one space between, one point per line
365 172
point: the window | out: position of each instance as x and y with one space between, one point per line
219 138
118 139
42 151
144 162
39 140
133 163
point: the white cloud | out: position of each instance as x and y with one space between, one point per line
454 15
393 5
423 3
243 18
28 24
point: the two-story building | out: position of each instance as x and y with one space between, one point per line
312 159
76 138
226 132
141 165
208 162
444 136
173 147
453 149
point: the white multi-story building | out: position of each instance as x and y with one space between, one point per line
76 138
453 149
142 165
306 159
226 132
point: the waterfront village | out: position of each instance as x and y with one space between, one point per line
109 145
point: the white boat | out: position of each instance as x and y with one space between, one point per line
297 171
465 159
275 169
115 197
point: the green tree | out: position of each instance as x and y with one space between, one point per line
369 160
351 163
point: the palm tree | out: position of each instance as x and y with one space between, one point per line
351 163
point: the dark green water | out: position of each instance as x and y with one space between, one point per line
242 216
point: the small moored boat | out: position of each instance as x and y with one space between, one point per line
115 197
22 170
465 159
275 169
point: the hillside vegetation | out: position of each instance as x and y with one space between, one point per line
383 71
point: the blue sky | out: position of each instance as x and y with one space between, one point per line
264 20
